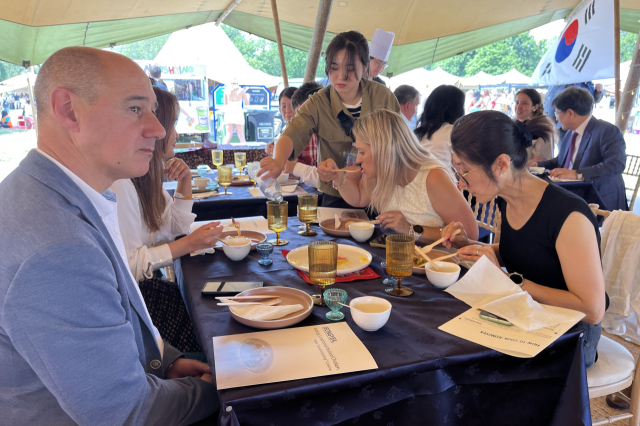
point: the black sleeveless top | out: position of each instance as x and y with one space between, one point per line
531 250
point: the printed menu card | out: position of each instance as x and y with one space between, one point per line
288 354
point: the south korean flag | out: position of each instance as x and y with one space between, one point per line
585 49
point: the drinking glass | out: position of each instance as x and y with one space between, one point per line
265 249
240 159
224 177
323 265
277 219
331 297
389 280
307 212
217 156
202 170
252 171
400 262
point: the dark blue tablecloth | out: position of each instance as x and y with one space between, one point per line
425 376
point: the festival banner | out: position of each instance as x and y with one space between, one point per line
584 51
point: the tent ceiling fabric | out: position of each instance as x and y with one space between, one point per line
426 30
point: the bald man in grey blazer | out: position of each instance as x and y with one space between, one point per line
77 345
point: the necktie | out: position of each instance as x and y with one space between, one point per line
572 148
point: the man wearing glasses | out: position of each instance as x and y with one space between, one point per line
379 50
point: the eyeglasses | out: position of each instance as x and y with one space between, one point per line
461 176
381 64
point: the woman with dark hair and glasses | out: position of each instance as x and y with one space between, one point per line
331 114
441 109
549 241
150 220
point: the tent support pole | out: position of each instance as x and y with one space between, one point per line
276 22
630 89
319 32
35 119
616 48
227 11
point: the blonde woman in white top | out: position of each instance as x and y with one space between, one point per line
401 180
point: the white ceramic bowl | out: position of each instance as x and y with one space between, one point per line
201 183
449 275
283 178
361 231
377 315
237 248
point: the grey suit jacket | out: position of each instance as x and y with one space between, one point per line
601 159
73 345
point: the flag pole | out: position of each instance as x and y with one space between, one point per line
616 49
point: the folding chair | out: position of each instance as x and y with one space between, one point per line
614 371
632 169
488 217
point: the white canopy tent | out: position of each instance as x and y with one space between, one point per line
18 84
209 45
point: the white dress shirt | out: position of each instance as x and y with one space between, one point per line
106 206
148 251
307 174
440 144
580 132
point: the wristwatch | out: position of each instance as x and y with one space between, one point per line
579 174
517 278
416 231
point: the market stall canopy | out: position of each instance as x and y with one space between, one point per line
482 78
17 84
209 45
426 31
422 80
513 76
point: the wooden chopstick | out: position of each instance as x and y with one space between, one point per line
247 297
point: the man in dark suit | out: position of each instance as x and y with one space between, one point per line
593 151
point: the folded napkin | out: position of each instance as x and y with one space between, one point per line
289 189
264 313
522 311
486 287
484 283
203 251
255 192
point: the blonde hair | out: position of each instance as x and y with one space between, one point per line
396 152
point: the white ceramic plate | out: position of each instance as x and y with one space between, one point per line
350 259
288 296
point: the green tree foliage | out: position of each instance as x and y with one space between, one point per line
627 44
262 54
8 70
144 49
520 52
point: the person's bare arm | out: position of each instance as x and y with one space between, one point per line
449 203
273 166
352 191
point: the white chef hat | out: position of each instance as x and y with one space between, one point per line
380 45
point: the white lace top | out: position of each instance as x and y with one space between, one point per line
414 203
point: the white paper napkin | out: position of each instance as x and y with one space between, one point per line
255 192
522 311
289 189
203 251
484 283
265 313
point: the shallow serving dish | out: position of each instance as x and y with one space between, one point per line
254 236
288 296
350 259
434 254
329 227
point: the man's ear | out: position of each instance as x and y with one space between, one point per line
63 106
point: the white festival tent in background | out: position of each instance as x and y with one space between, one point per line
209 45
585 49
